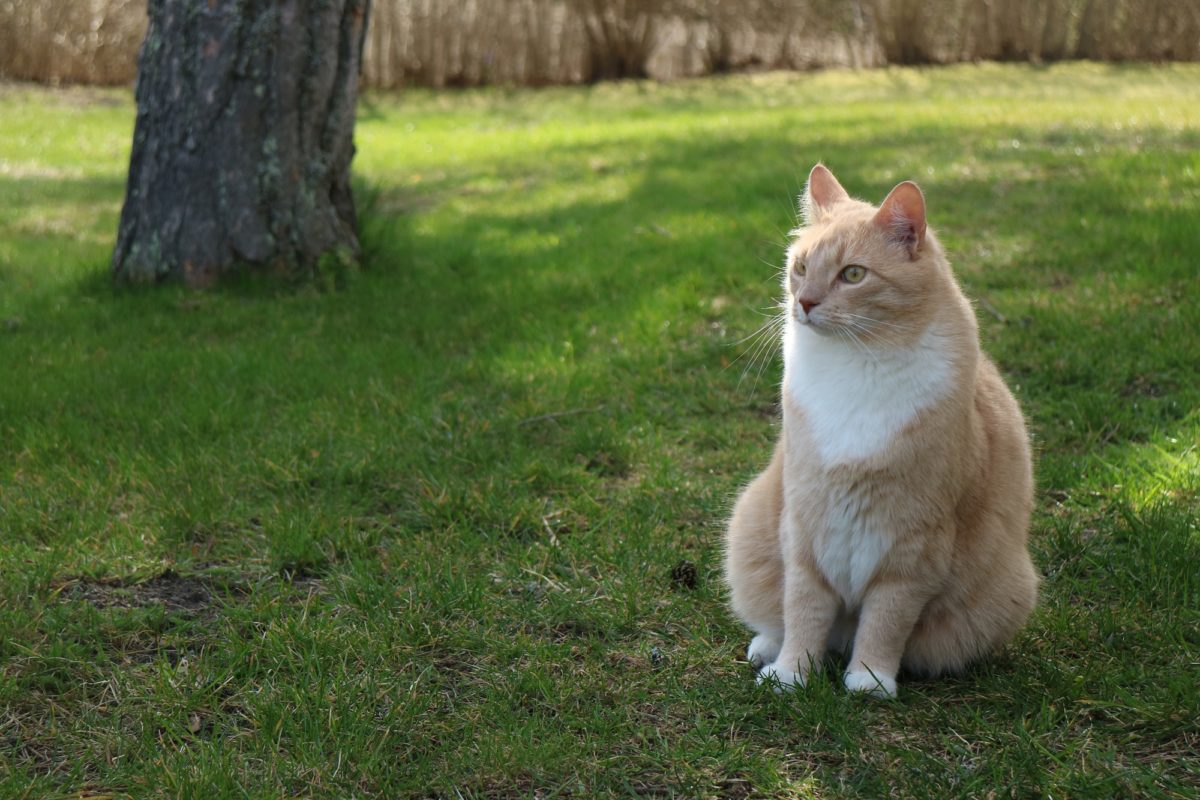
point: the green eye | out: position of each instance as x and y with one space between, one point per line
800 268
854 273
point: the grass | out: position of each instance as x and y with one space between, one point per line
420 533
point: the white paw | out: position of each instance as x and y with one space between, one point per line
876 684
781 679
762 651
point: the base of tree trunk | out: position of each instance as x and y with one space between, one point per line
243 141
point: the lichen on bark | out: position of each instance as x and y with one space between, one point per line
243 139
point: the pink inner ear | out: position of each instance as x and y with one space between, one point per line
823 189
902 216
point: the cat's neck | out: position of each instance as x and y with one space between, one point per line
854 396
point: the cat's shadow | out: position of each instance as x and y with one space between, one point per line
835 663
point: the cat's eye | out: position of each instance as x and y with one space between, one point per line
800 268
853 273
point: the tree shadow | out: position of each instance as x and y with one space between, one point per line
1084 236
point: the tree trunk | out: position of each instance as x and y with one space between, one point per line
1092 32
243 141
1055 31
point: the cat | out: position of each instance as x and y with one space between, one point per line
891 523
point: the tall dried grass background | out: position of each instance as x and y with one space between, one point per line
537 42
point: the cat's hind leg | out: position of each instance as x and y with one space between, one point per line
955 631
754 562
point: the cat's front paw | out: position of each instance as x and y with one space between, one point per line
781 679
875 684
763 650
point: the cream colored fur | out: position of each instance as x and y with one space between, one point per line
891 522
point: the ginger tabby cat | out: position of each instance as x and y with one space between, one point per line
892 521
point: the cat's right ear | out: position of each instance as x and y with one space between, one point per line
822 193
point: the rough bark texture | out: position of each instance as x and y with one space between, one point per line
244 136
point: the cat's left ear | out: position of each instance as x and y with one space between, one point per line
902 217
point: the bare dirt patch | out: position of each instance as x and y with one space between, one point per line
175 592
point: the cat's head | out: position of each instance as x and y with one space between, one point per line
857 270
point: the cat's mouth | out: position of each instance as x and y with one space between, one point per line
816 322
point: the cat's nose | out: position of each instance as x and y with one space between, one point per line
808 305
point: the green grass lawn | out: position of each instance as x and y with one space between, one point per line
415 531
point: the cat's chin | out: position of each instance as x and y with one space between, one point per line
820 328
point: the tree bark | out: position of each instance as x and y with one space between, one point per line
243 140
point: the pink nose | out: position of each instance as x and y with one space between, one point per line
808 305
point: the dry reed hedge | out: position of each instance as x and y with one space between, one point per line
535 42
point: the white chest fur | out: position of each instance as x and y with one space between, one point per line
854 399
851 547
854 402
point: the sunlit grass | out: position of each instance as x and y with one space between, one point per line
1164 471
415 535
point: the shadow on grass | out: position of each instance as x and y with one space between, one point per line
545 305
1092 259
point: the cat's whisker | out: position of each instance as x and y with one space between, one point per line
859 328
762 350
794 202
769 334
861 344
767 357
771 311
858 345
844 335
747 338
867 333
773 265
772 319
877 321
783 242
757 355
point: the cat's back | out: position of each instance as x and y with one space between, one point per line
1002 483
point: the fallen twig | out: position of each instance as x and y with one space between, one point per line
559 414
986 305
